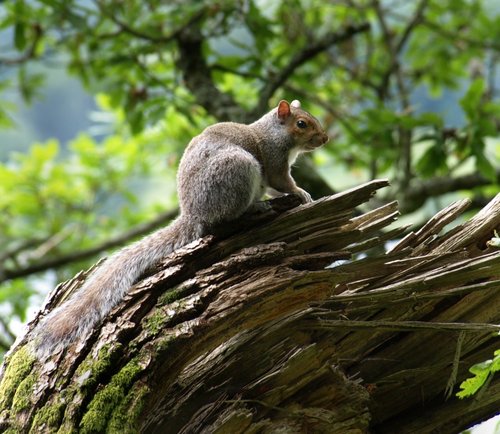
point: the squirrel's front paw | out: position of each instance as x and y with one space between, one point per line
304 196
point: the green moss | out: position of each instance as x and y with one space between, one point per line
108 399
126 416
164 343
171 296
49 416
59 414
66 407
96 364
92 368
22 398
156 321
19 365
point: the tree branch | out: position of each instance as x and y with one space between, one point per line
417 193
119 240
30 52
125 27
458 36
9 253
414 21
395 48
198 78
307 53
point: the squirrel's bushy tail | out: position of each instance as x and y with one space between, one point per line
107 285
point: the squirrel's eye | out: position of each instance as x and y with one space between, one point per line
301 124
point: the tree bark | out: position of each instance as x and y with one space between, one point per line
293 322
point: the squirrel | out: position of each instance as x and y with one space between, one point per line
223 172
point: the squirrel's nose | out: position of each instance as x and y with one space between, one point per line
325 138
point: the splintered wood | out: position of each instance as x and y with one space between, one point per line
298 321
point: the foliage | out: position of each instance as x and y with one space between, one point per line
376 73
482 373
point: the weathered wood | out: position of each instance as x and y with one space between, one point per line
292 321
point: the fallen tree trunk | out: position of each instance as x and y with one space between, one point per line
288 325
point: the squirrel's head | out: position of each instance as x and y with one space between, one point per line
305 130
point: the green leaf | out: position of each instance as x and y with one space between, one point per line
19 25
433 160
480 368
495 366
5 119
472 385
485 167
481 373
260 26
20 36
471 101
430 119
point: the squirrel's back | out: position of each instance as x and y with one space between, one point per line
217 139
220 174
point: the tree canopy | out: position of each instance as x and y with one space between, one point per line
407 90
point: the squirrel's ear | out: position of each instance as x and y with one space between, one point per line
283 110
295 103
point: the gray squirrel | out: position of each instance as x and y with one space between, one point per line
224 171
